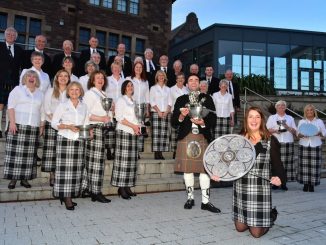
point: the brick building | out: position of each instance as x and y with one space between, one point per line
137 23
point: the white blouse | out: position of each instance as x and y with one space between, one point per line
73 78
285 137
141 90
51 103
312 141
160 97
113 90
92 99
44 78
223 104
125 109
176 92
27 105
83 80
66 113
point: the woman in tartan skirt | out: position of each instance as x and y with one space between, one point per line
69 148
224 110
310 149
53 97
125 161
93 173
160 100
24 109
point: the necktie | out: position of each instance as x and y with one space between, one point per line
9 49
164 69
208 81
94 50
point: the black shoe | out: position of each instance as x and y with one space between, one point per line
210 207
12 184
311 188
161 156
148 123
25 184
274 214
305 187
85 193
138 156
284 187
156 155
0 134
109 155
66 200
100 198
174 153
189 204
129 192
38 158
274 187
122 192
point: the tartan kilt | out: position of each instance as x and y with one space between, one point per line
222 127
287 154
124 170
161 132
109 136
309 165
141 142
21 149
93 173
174 139
69 164
49 148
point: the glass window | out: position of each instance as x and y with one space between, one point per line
31 42
113 40
205 56
317 81
101 36
140 46
127 42
2 36
34 27
122 5
304 78
107 4
229 56
295 84
134 7
112 53
3 21
324 75
255 54
84 35
94 2
319 56
20 23
21 39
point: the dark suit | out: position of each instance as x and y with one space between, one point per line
185 125
46 67
213 86
126 68
9 71
236 92
170 76
151 74
57 63
85 56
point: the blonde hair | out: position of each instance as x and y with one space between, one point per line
77 84
160 72
31 73
306 108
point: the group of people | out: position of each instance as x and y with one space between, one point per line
58 108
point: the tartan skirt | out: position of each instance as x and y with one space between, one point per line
69 165
124 170
49 148
161 132
93 173
287 154
309 165
21 148
222 127
174 137
109 136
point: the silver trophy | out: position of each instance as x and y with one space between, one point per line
281 127
107 104
196 112
140 111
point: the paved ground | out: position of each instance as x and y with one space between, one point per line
160 219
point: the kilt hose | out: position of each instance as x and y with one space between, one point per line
287 154
124 169
174 136
161 132
49 148
252 199
109 136
21 148
309 166
69 165
93 172
222 127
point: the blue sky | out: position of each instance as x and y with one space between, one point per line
291 14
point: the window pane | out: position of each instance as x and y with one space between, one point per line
122 5
127 41
140 46
319 56
229 56
31 42
317 81
2 36
304 80
101 36
94 2
205 57
134 6
304 54
107 3
113 40
3 21
20 23
295 84
112 53
35 27
256 53
84 35
21 40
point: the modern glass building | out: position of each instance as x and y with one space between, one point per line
294 60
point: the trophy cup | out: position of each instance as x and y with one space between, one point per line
106 104
140 111
281 127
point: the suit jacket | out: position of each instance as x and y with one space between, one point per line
214 85
85 56
46 67
236 91
127 66
10 66
185 125
170 76
150 75
57 63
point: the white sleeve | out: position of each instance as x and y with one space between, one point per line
89 102
147 93
56 119
231 108
152 97
119 110
293 124
13 98
322 127
269 123
47 101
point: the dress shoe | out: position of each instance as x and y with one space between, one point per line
25 184
174 153
122 192
38 158
85 193
210 207
274 187
156 155
305 187
70 205
284 187
161 156
109 155
311 188
12 184
189 204
138 156
147 123
129 192
0 134
274 214
100 198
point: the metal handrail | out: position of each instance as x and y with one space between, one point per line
321 112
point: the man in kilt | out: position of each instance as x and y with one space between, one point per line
187 135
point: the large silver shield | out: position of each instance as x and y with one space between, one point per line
230 157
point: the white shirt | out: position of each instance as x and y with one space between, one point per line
44 78
66 113
12 48
27 105
125 109
223 104
176 92
113 90
51 103
73 78
285 137
160 97
83 80
230 85
312 141
141 90
92 99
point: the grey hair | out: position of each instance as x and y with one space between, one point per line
11 29
226 82
90 62
203 81
33 73
148 50
280 102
